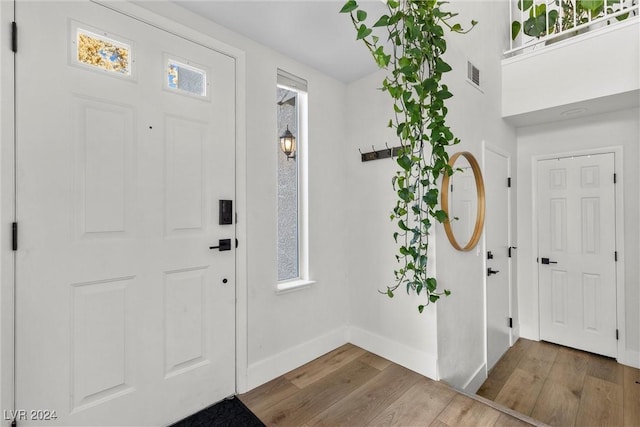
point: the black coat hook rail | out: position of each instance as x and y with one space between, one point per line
380 154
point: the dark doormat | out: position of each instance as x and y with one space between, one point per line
228 413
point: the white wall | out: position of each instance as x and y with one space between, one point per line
474 117
453 331
574 70
619 128
392 328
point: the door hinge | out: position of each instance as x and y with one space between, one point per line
14 236
617 335
14 37
512 248
511 322
615 178
615 256
509 182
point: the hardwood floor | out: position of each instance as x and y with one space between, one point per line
352 387
560 386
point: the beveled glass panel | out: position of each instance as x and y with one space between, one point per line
102 52
186 78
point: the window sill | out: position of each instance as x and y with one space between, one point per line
293 286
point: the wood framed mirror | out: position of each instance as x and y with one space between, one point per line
463 200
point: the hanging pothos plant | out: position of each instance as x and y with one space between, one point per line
415 30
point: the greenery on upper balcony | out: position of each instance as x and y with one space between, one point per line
561 15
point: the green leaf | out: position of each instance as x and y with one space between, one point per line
405 194
443 94
431 198
440 215
389 293
535 27
553 18
430 84
434 298
524 5
361 15
441 66
349 6
515 29
421 308
363 31
382 22
592 5
404 162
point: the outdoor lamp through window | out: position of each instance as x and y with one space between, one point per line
288 144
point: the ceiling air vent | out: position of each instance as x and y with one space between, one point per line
473 74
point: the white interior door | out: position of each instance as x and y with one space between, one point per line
496 174
576 241
124 314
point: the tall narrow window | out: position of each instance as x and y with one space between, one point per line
291 100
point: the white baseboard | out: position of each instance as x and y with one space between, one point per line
421 362
267 369
630 358
476 380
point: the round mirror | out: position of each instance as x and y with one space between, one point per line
463 201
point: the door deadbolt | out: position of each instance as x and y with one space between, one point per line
223 245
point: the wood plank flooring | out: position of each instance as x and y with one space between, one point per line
560 386
352 387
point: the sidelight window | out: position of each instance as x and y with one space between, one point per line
291 105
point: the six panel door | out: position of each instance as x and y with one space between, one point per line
576 270
126 142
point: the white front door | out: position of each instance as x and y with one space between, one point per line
496 174
576 252
125 145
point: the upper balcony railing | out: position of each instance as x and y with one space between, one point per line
535 23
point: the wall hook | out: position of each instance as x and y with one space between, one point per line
380 154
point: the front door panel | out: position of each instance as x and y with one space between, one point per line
125 145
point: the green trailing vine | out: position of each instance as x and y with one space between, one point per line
415 30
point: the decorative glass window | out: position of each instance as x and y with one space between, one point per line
186 78
291 107
103 52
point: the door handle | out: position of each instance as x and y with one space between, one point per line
223 245
547 261
491 271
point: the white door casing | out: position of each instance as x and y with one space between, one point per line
497 223
118 187
577 235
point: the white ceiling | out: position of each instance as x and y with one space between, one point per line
310 31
